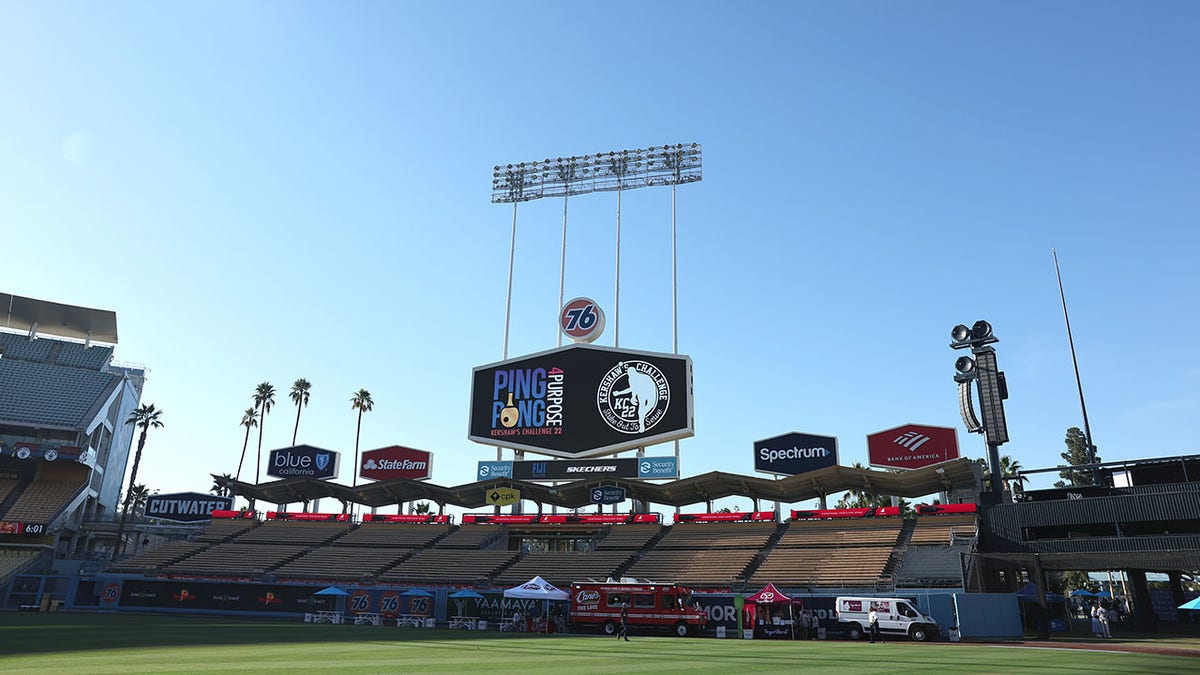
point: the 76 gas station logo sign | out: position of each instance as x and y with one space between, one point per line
582 320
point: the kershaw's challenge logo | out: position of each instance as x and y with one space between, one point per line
527 402
633 396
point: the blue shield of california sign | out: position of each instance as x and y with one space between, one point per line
302 461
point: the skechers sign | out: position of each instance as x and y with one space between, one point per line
565 469
303 461
186 507
582 401
795 453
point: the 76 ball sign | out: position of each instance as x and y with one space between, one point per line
582 320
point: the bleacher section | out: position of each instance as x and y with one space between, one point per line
6 487
717 535
841 553
444 566
938 529
220 530
472 536
624 537
236 560
43 500
341 563
13 560
151 560
306 533
563 568
932 566
392 535
698 567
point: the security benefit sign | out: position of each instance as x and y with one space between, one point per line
795 453
608 494
186 507
302 461
582 401
912 446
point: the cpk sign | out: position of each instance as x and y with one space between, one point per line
912 446
396 461
186 507
795 453
302 461
582 401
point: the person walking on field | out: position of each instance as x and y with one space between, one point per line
624 630
1102 615
873 619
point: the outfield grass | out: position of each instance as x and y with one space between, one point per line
120 643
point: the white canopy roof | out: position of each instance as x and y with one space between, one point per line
537 588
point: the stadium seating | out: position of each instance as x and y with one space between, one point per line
942 529
563 568
151 560
341 563
235 560
694 567
297 532
394 535
12 560
932 566
220 530
472 536
43 500
622 537
717 535
449 566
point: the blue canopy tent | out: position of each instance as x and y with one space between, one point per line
1193 604
1082 593
339 597
461 599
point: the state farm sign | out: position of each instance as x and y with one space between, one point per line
912 446
396 461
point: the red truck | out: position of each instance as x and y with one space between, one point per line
657 606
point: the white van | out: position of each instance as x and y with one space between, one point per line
897 616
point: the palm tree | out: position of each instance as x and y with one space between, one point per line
299 396
249 419
144 417
264 398
139 495
220 486
361 401
1008 472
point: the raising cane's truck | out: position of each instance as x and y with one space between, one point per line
650 605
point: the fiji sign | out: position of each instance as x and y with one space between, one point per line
396 462
582 401
912 446
302 461
186 507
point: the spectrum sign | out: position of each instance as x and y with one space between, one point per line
396 461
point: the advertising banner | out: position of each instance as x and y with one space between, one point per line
568 469
608 494
231 597
582 401
503 496
795 453
396 461
186 507
912 446
302 461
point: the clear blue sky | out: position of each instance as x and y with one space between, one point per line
268 191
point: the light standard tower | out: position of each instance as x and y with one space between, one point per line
991 387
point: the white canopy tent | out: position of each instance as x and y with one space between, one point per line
538 588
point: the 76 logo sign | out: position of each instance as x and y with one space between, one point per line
582 320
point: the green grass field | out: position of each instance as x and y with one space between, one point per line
119 643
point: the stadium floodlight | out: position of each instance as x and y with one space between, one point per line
992 389
676 164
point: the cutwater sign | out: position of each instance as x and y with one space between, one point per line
795 453
186 507
303 461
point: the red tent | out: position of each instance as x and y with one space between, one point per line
768 596
771 596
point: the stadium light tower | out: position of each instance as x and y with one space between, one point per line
992 390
